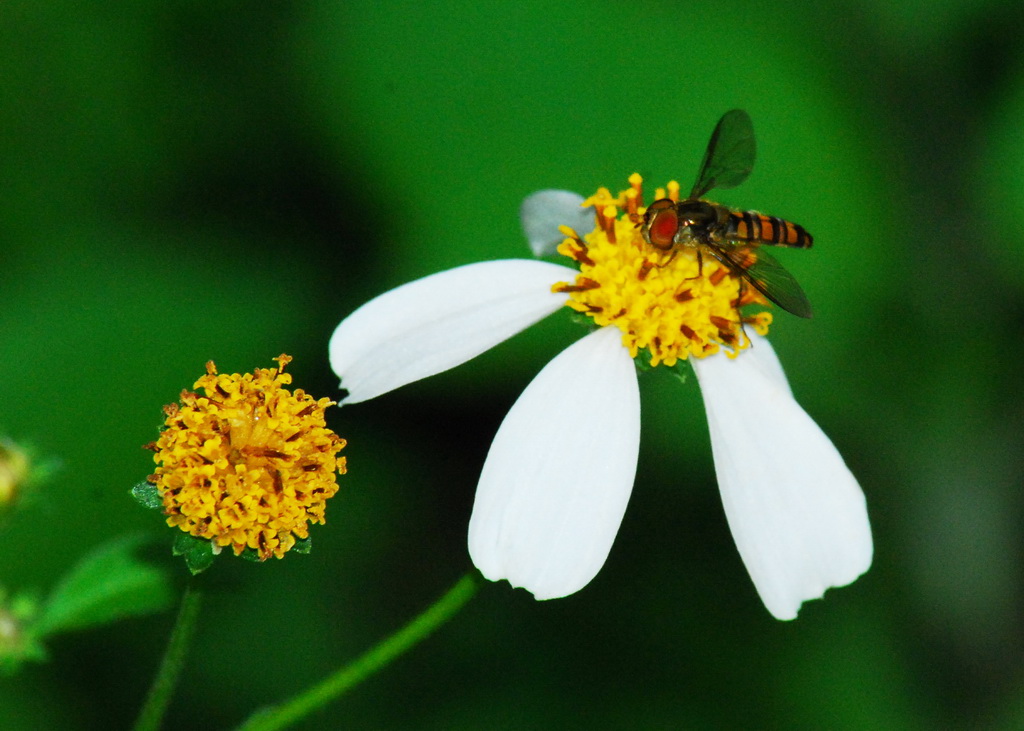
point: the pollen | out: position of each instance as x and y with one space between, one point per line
247 463
674 304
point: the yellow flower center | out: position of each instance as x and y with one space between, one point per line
674 303
249 464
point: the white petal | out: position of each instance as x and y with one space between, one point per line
557 479
796 512
761 355
438 322
544 211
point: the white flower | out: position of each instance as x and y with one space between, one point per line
552 495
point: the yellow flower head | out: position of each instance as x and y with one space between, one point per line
15 469
249 464
671 303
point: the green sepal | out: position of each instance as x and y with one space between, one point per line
682 370
108 584
147 495
251 554
197 552
302 545
643 360
580 318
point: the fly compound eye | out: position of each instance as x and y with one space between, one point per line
663 223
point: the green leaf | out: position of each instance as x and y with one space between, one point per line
147 495
198 552
303 545
107 585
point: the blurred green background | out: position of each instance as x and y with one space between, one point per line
190 181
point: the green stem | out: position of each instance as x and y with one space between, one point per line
166 679
333 686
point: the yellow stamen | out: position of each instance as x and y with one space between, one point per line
674 303
249 464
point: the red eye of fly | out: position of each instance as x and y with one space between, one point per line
663 228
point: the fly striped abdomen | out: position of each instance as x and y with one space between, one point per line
757 227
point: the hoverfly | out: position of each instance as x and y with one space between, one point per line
731 236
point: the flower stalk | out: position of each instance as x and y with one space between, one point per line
379 657
166 680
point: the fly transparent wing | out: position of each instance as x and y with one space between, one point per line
768 276
730 154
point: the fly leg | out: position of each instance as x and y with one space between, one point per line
700 263
739 315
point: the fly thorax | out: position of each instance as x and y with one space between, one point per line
697 220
